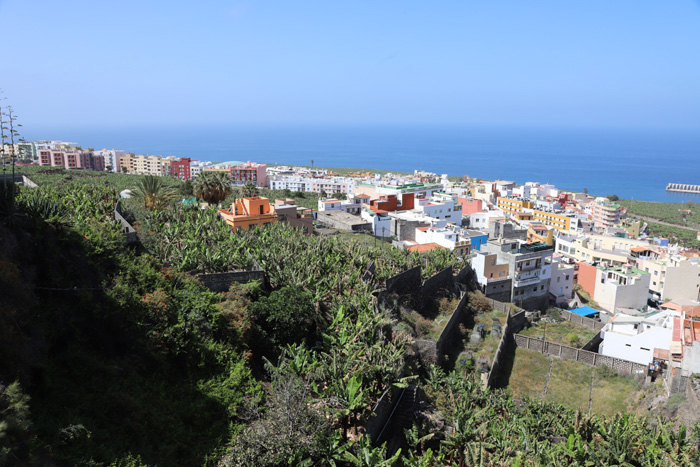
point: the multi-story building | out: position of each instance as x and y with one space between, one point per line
492 275
557 219
440 206
562 284
351 206
605 213
249 213
514 205
331 185
529 267
597 248
673 276
181 168
446 235
78 160
615 287
111 157
249 172
290 182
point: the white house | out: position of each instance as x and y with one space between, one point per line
635 337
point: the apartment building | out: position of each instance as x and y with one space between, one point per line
290 182
514 205
673 277
181 168
562 284
605 213
249 172
332 185
597 248
440 206
529 267
556 219
493 276
69 159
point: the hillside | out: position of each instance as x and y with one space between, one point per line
116 355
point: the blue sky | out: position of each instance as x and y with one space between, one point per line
589 63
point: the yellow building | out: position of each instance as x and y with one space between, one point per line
558 221
540 233
247 213
512 205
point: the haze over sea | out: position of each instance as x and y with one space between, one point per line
634 164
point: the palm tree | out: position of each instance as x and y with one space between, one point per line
212 187
153 193
249 190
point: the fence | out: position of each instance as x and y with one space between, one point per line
579 355
588 322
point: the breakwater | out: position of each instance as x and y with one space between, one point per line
683 188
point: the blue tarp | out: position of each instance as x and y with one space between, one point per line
585 311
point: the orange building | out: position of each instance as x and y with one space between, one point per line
586 277
249 212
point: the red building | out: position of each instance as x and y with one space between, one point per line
390 203
181 168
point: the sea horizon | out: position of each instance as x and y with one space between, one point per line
630 163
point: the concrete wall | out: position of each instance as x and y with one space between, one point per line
587 274
579 355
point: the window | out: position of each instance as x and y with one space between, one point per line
542 287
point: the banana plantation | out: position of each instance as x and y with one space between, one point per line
140 365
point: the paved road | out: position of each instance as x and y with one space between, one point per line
657 221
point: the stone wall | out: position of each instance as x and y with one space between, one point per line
579 355
19 178
381 413
449 332
505 349
465 276
221 281
406 282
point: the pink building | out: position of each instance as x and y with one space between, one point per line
77 160
249 172
470 206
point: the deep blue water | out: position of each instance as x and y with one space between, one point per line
631 164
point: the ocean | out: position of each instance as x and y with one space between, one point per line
635 164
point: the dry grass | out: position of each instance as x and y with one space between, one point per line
569 384
565 333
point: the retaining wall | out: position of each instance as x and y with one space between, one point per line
442 279
221 281
505 347
448 333
579 355
128 230
406 282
